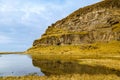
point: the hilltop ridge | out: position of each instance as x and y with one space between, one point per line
99 22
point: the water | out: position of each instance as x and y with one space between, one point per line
59 67
17 65
20 65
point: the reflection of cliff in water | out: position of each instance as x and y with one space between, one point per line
62 67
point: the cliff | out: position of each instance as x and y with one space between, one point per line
99 22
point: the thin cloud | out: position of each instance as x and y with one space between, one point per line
5 39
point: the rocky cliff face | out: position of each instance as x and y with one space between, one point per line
98 22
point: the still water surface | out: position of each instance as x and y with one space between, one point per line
17 65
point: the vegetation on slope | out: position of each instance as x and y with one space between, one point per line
96 50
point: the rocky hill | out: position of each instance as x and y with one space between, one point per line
99 22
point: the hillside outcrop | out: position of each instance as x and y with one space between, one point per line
99 22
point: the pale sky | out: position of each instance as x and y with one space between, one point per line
23 21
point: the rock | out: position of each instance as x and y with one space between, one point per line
97 22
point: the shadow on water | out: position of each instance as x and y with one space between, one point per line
62 67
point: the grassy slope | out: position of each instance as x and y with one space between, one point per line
96 50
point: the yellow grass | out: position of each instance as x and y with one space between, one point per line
96 50
66 77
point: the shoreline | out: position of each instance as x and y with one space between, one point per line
12 52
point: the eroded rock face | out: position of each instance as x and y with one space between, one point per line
98 22
77 39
